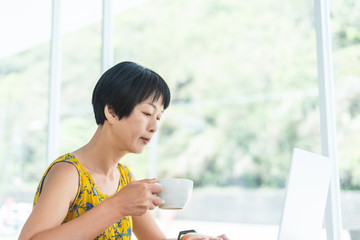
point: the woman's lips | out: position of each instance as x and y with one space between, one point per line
145 140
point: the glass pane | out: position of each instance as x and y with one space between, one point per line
346 57
24 77
81 68
244 92
24 84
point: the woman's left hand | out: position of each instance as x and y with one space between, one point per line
198 236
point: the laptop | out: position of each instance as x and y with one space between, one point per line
305 197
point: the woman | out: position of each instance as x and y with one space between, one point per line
88 194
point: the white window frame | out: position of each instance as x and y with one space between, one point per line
327 116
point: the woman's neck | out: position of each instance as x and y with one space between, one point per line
98 154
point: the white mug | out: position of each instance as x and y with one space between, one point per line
176 192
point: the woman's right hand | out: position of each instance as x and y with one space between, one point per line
197 236
136 198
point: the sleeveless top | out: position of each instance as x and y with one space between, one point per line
88 196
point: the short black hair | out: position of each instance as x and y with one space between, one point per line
124 86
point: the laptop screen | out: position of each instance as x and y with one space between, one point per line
305 198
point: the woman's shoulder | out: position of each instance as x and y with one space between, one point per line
64 166
61 178
68 158
67 163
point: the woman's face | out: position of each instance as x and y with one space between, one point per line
134 132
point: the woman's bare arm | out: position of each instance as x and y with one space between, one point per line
145 227
60 188
58 192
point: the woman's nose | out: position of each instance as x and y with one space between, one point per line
153 125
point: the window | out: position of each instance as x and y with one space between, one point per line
244 93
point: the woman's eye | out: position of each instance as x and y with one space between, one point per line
150 114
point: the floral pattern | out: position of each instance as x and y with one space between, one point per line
89 195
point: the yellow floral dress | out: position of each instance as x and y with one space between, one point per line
88 196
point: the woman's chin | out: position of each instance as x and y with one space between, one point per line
138 151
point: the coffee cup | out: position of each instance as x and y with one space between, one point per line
176 192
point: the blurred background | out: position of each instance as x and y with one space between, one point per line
243 76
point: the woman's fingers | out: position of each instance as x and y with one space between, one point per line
155 188
223 237
149 181
157 201
138 197
198 236
152 189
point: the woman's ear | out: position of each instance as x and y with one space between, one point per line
109 113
